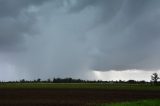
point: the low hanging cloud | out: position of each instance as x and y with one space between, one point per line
16 20
69 38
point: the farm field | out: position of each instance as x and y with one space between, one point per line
136 103
73 94
105 86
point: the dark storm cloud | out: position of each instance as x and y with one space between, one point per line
73 37
127 42
80 5
15 22
11 8
126 34
108 8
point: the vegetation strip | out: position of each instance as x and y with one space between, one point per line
136 103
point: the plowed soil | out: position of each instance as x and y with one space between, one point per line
70 97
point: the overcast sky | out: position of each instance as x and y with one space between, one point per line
88 39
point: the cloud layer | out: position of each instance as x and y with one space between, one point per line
69 38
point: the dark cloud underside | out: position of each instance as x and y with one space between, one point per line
42 38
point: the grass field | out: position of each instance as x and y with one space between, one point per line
136 103
78 86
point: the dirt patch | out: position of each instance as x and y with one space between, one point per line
70 97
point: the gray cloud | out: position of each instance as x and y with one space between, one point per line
13 8
16 21
69 38
128 38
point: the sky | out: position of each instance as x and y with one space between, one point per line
87 39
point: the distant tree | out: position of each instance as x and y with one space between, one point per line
49 80
143 81
131 81
38 80
154 77
22 80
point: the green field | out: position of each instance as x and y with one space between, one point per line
137 103
78 86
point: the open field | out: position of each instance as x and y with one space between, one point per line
136 103
73 94
115 86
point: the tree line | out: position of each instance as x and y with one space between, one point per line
154 79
